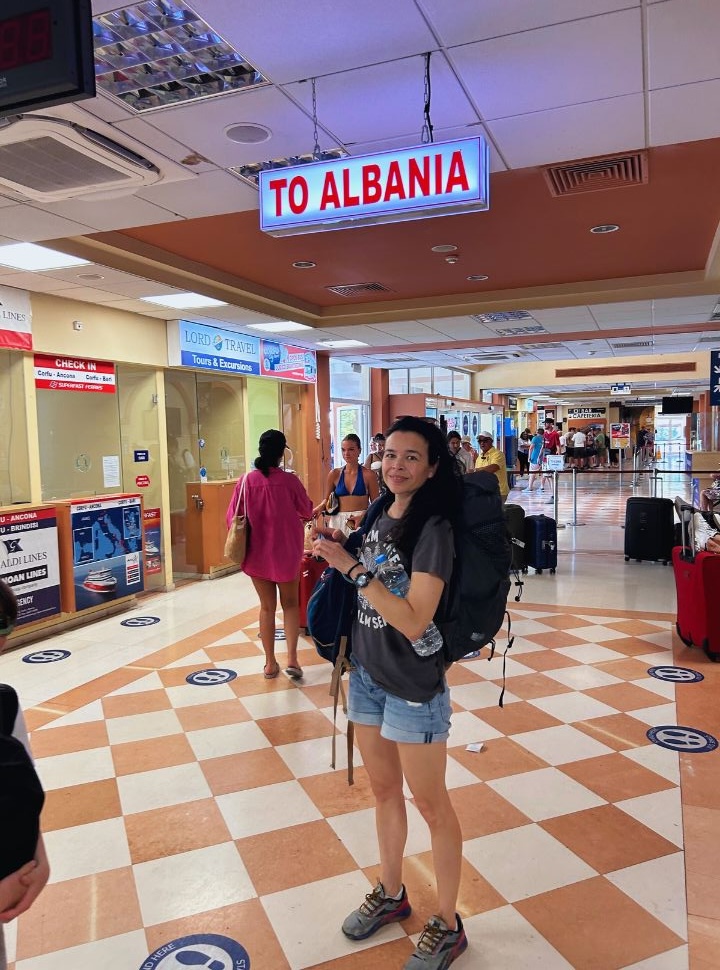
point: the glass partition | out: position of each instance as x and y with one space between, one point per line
14 463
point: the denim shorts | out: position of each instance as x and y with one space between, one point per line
409 722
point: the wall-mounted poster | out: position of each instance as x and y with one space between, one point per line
465 423
620 435
152 544
29 562
107 549
475 424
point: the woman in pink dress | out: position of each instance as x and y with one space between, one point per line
276 505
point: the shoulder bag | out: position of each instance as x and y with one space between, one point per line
239 531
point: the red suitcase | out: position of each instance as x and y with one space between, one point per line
697 582
311 569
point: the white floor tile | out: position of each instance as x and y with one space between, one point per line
189 695
457 776
199 658
562 744
658 886
110 953
356 831
82 850
215 742
574 706
677 959
493 670
590 653
83 715
75 768
467 728
139 727
658 759
582 678
277 702
266 809
661 812
597 633
148 682
313 756
545 793
324 904
191 882
661 687
474 697
656 658
525 861
659 714
162 786
504 939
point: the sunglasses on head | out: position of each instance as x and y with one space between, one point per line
6 625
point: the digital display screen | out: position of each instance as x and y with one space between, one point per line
25 39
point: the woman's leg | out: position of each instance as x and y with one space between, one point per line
382 762
424 768
289 601
267 594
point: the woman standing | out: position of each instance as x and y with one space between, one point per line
524 450
354 485
276 505
398 699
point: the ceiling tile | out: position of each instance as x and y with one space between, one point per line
464 21
326 36
687 113
36 282
577 131
682 40
569 64
29 224
208 194
123 213
413 332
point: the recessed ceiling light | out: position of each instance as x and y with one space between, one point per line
90 276
183 301
445 248
477 278
281 326
337 344
248 134
34 258
304 264
599 230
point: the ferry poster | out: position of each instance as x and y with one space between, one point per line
107 539
29 562
153 540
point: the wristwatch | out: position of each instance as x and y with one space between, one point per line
362 579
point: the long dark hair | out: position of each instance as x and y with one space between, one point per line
271 448
440 495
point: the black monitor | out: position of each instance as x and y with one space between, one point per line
677 405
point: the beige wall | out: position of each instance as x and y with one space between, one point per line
107 334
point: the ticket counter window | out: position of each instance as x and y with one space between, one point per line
14 463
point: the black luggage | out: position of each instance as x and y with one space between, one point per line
515 518
541 542
649 529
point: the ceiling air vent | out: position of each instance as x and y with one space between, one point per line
594 174
637 344
356 289
547 346
710 340
491 358
501 317
715 315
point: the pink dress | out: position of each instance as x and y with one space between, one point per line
276 508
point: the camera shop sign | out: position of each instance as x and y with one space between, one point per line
580 414
435 179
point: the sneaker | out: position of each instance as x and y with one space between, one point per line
377 910
438 946
549 501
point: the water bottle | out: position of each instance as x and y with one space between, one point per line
393 577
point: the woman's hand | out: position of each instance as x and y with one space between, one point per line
333 552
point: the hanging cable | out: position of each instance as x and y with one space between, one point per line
426 133
316 148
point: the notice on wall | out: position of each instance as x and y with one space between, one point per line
107 549
111 471
29 562
620 435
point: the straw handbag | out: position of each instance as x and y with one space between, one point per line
239 531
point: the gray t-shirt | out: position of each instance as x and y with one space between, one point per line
383 651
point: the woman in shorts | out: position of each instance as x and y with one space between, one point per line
399 701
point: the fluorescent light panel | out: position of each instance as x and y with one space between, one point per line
34 258
281 326
183 301
251 173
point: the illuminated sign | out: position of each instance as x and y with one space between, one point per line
69 374
435 179
205 347
617 389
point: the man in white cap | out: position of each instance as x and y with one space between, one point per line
491 459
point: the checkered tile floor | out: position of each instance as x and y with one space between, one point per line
176 809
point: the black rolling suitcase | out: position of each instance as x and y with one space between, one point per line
541 542
515 518
649 529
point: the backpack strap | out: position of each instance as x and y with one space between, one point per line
337 692
9 706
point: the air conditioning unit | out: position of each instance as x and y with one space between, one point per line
49 159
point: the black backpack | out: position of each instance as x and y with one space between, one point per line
21 794
474 606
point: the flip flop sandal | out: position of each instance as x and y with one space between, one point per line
295 673
272 673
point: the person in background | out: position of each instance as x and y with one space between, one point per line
551 438
579 439
534 460
399 700
491 459
354 485
524 450
276 505
601 447
20 889
454 443
466 444
373 462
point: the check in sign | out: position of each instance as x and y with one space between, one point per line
415 183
